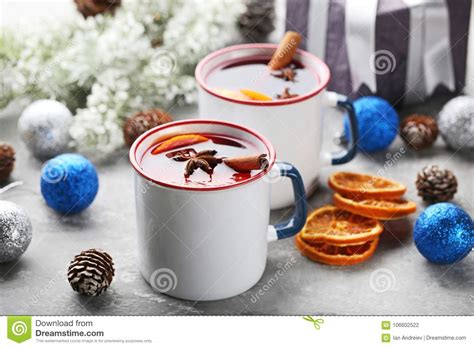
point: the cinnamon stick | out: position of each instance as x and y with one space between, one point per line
245 164
285 50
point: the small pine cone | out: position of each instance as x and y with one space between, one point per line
419 131
94 7
435 184
142 121
7 160
91 272
257 22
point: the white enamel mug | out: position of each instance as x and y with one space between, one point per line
294 126
208 243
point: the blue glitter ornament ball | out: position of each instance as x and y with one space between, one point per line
378 124
69 183
444 233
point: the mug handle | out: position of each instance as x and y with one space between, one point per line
333 99
296 222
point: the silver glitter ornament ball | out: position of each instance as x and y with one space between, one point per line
456 123
44 127
15 231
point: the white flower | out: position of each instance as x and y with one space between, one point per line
102 67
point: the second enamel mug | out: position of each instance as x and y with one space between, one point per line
294 126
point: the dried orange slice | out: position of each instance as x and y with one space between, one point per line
335 226
336 255
178 141
365 186
381 209
254 95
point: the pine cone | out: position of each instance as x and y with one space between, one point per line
419 131
435 184
7 160
142 121
91 272
257 22
94 7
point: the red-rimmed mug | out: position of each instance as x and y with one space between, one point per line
294 126
208 242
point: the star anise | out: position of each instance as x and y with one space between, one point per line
287 74
205 160
209 156
286 94
194 164
182 155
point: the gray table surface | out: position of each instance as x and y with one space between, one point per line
397 280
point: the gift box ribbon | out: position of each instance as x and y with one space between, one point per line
430 60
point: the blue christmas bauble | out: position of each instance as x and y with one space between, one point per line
378 123
444 233
69 183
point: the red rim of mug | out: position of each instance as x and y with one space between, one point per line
324 76
141 138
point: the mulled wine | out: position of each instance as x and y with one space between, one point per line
197 160
253 80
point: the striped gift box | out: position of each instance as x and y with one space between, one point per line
401 50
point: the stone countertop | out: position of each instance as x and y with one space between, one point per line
396 280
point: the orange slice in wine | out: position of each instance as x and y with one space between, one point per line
380 209
232 94
337 255
254 95
178 141
355 185
335 226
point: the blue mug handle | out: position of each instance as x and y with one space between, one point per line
296 222
338 100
